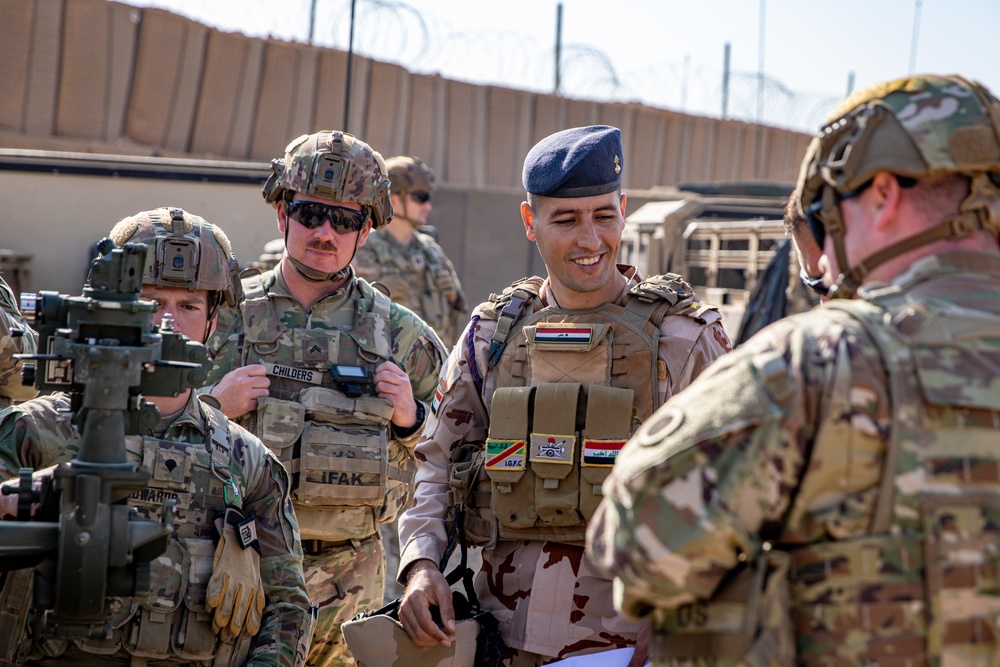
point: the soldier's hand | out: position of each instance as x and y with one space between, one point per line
235 592
641 654
239 389
392 384
426 587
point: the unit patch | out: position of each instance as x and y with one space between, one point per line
552 448
505 454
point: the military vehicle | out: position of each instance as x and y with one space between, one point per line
719 237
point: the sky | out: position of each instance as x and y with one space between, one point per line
663 53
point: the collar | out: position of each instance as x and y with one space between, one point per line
630 272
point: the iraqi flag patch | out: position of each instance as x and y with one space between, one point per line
601 452
438 397
505 454
568 335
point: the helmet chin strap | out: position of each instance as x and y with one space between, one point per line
416 224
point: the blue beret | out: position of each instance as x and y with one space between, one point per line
578 162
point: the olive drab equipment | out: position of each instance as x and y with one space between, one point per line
921 585
166 619
570 389
333 438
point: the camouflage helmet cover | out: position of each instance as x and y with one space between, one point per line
183 251
917 126
336 166
410 174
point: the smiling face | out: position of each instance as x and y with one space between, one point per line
578 239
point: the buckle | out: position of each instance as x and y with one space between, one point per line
963 224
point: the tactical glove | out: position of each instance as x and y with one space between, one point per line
235 590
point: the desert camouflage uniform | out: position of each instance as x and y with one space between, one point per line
418 276
35 435
855 448
343 576
11 387
549 600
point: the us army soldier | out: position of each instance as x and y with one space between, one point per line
592 349
269 623
409 263
15 338
333 376
840 465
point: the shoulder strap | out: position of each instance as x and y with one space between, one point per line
374 309
220 451
261 323
509 307
658 296
899 366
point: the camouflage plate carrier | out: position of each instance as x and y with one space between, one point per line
922 587
571 388
346 471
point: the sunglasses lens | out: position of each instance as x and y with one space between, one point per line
312 214
420 197
816 225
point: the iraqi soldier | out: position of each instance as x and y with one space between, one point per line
409 263
548 381
840 465
15 338
270 623
332 375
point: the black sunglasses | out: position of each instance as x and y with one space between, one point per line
420 196
815 284
812 211
312 214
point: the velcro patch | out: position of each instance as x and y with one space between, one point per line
601 452
505 454
552 448
438 397
300 374
575 335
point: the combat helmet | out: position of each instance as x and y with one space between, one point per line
184 251
913 127
332 165
410 174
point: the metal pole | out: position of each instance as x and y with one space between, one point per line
350 68
760 89
725 79
559 14
850 82
916 35
312 22
684 81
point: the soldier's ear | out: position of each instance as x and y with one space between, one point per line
282 216
528 218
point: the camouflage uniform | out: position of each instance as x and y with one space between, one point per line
548 599
36 435
841 463
11 387
418 276
344 562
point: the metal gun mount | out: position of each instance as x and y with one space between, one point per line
103 350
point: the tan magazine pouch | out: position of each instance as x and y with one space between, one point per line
507 458
553 453
609 418
279 425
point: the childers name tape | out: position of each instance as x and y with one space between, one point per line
300 374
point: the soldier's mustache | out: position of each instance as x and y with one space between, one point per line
324 246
